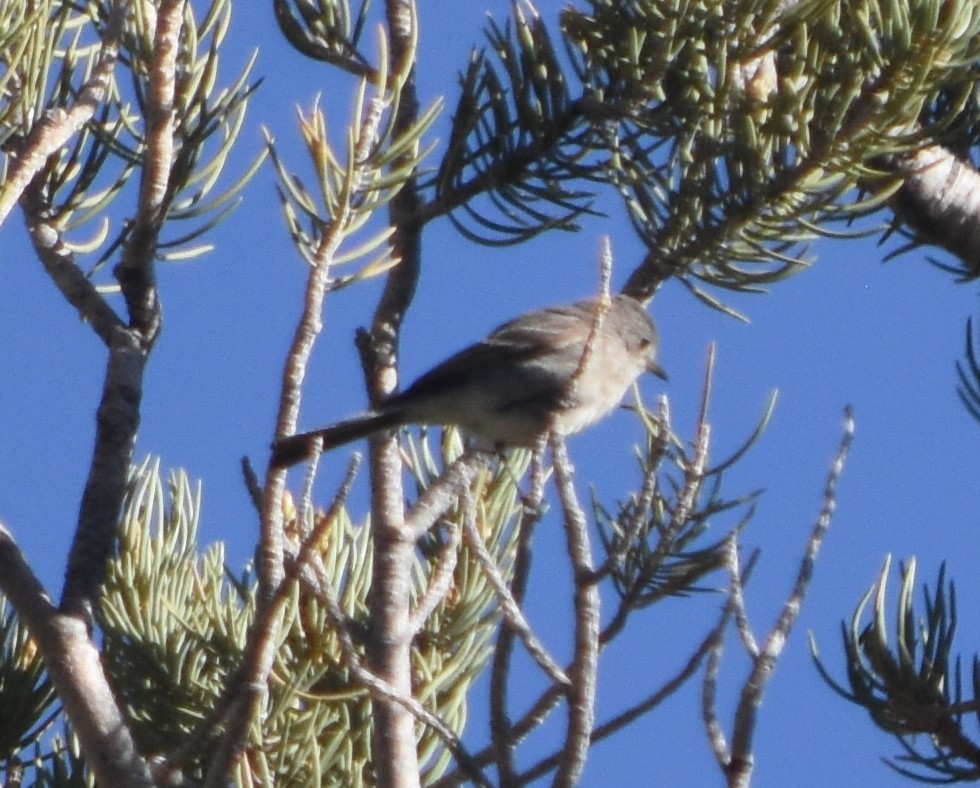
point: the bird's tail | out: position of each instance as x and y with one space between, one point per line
293 449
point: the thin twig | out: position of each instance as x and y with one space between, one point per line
602 307
59 263
630 715
739 771
501 732
737 597
533 718
304 339
585 661
300 568
709 685
304 512
444 491
639 512
694 475
511 610
258 657
380 688
440 580
260 647
709 714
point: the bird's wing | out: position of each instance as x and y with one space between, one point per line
459 370
524 350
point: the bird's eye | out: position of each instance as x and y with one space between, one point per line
644 343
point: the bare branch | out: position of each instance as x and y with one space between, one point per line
715 641
135 272
709 707
304 513
737 599
119 411
396 759
511 610
379 688
117 422
73 664
740 768
694 474
602 306
403 212
257 661
441 578
501 731
260 650
585 662
640 512
633 713
443 492
59 263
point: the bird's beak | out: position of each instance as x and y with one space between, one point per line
655 369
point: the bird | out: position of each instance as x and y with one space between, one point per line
559 369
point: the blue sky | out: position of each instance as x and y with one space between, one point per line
850 330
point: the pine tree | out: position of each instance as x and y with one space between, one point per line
731 134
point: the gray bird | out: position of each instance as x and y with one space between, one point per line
516 384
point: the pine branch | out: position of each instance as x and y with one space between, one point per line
59 125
